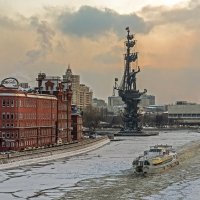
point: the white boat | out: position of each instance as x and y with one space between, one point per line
156 160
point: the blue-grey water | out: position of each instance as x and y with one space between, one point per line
106 173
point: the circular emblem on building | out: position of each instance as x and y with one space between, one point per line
10 82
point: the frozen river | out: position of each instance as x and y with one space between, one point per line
106 173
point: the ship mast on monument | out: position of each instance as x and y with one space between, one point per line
127 90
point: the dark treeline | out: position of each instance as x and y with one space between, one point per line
92 117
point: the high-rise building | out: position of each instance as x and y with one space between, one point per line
99 103
75 82
82 95
85 96
115 104
147 100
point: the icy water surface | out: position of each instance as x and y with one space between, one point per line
106 173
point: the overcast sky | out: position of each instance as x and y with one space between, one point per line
47 35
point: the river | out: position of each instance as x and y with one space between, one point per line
106 173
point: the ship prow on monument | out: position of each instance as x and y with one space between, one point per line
129 93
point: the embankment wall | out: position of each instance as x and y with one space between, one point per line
39 155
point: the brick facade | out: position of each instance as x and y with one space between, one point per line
77 126
31 120
27 120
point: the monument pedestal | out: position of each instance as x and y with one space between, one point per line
136 133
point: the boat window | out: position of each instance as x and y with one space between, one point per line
140 163
155 150
146 162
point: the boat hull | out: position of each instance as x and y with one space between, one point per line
155 169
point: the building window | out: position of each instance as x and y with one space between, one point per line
8 103
7 125
3 116
8 115
3 135
12 102
11 116
3 102
7 135
20 103
7 144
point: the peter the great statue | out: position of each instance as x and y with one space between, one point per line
127 90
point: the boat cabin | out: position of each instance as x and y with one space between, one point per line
158 150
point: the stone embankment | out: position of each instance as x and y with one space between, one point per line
28 157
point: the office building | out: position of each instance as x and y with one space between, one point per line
82 94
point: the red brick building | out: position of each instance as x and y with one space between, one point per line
77 124
27 120
53 85
35 119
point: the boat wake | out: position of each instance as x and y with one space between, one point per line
188 151
157 186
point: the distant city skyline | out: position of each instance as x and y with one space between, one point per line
46 36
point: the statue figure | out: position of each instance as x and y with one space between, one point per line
128 90
131 80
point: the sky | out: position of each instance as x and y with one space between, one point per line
47 35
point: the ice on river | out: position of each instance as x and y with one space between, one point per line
66 178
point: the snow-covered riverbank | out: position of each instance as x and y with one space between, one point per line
106 173
53 155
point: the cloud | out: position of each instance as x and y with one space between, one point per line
7 23
92 22
26 44
187 17
91 40
46 34
45 37
33 55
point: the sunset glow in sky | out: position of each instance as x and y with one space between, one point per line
124 6
47 35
